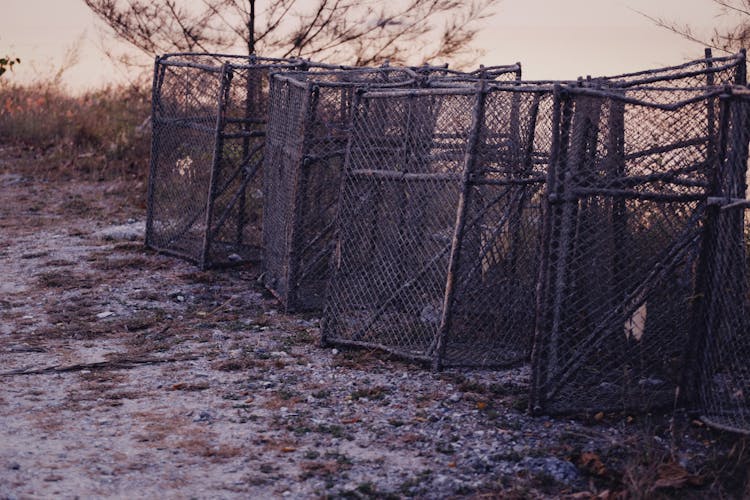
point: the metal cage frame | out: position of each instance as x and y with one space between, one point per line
208 121
419 283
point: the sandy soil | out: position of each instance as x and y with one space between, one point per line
124 373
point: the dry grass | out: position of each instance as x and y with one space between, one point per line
101 134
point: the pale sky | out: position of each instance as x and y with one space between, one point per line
553 39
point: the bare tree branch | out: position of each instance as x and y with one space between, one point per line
725 40
337 31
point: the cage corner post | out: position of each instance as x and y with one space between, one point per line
158 79
222 101
250 111
544 356
725 277
689 385
454 263
299 196
741 74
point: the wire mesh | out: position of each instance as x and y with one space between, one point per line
205 191
408 277
705 72
308 123
627 189
723 345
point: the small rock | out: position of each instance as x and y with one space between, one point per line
14 466
455 398
561 471
203 416
127 232
218 335
651 381
105 314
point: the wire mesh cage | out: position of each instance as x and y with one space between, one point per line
623 218
627 190
208 119
721 341
308 122
438 221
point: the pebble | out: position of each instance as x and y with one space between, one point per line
204 416
561 471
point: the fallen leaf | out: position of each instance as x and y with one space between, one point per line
288 449
591 463
352 420
581 495
599 416
672 475
420 419
452 465
481 405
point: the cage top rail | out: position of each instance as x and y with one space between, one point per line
737 91
189 59
698 94
501 74
704 66
474 88
486 71
732 59
350 78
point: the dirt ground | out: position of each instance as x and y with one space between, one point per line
125 373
